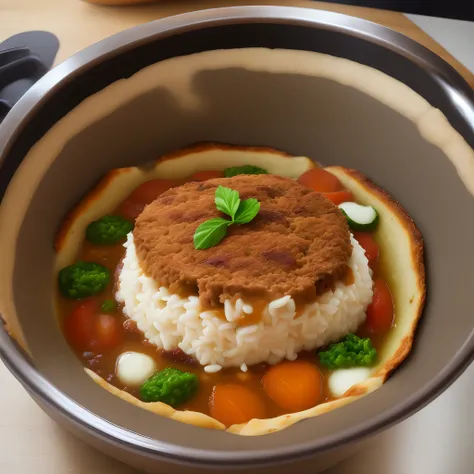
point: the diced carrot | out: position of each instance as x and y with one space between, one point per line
380 311
320 180
368 243
232 404
205 175
134 204
294 386
339 197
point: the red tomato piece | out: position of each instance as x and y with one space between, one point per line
143 195
368 243
205 175
339 197
320 180
108 332
79 326
86 329
380 311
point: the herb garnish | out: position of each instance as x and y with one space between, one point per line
227 200
245 169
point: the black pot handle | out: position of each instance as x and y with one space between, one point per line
24 58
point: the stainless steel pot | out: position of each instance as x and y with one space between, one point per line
378 140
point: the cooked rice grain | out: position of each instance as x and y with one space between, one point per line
170 321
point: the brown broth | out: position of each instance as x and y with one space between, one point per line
104 363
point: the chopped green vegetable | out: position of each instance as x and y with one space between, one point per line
108 230
360 218
245 169
83 279
352 351
211 232
108 306
171 386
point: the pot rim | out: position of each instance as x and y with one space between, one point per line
25 109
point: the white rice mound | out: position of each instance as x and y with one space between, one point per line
170 321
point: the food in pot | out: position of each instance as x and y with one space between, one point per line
248 294
83 279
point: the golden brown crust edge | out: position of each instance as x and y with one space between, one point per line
417 255
83 205
158 408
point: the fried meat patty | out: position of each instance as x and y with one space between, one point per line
297 245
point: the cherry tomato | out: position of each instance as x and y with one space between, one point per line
108 331
294 386
143 195
205 175
79 326
320 180
86 329
339 197
233 404
368 243
380 311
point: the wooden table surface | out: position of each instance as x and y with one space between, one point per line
79 24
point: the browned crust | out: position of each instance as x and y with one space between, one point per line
417 258
79 209
402 352
355 391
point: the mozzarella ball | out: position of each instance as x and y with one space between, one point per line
134 368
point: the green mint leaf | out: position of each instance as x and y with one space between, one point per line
227 200
210 233
245 169
248 209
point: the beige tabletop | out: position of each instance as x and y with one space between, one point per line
30 443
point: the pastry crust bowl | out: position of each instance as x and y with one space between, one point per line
397 235
312 84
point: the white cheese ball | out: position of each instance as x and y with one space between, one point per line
343 379
134 368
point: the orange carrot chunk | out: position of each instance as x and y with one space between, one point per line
380 311
233 404
205 175
294 386
143 195
321 181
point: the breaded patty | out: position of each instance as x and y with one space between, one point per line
297 245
